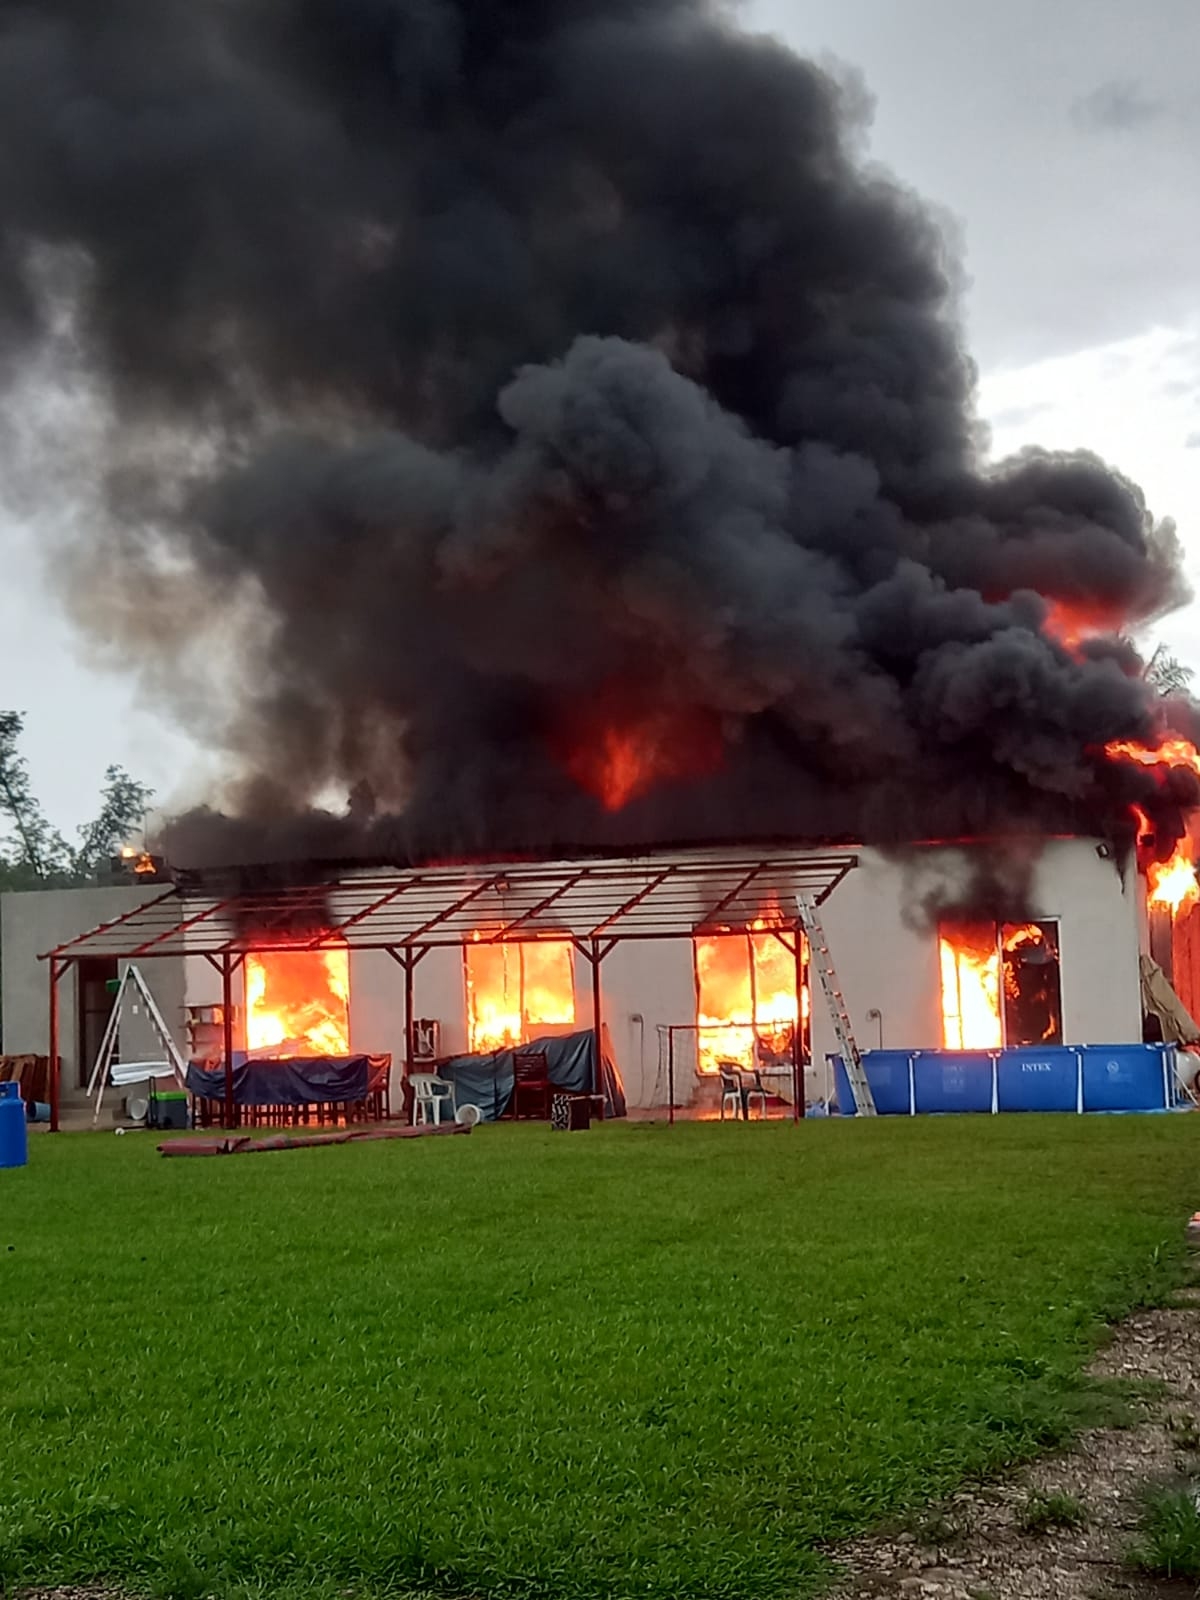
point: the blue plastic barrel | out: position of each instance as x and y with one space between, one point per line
14 1140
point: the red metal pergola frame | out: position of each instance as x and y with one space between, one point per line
407 912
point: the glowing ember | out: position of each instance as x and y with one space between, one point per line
746 1005
298 1002
515 991
970 961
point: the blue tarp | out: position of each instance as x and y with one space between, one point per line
293 1081
487 1080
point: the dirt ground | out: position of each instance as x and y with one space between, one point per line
976 1547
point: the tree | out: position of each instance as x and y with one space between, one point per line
33 854
123 803
33 850
1167 673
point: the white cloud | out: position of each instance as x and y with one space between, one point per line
1136 403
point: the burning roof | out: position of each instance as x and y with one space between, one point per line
539 423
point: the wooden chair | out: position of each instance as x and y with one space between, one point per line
531 1084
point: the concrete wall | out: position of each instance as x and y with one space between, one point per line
35 922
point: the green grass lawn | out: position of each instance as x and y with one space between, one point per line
645 1362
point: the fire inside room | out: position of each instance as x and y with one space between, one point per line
746 1002
516 991
1000 985
298 1002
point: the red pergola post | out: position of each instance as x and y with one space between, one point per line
410 1037
597 1021
671 1076
407 957
55 973
798 1030
227 1025
595 952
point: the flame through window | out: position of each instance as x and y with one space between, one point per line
746 999
517 990
1001 985
298 1002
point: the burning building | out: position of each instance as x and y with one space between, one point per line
696 960
608 483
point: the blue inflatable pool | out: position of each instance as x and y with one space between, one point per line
1079 1078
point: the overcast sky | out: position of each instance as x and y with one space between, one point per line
1060 138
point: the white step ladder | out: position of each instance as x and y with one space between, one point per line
820 958
123 1074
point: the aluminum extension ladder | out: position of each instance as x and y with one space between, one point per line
819 957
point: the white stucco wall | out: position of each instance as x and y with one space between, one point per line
35 922
886 960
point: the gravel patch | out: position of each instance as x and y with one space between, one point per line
975 1546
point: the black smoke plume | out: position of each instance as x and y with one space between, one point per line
494 386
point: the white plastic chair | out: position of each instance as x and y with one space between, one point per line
430 1094
731 1093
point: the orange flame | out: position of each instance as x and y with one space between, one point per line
970 963
971 958
620 747
1172 752
1172 884
298 1002
746 998
624 768
515 991
1071 622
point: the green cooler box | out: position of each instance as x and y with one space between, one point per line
168 1109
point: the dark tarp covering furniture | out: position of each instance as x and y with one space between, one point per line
293 1080
487 1080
